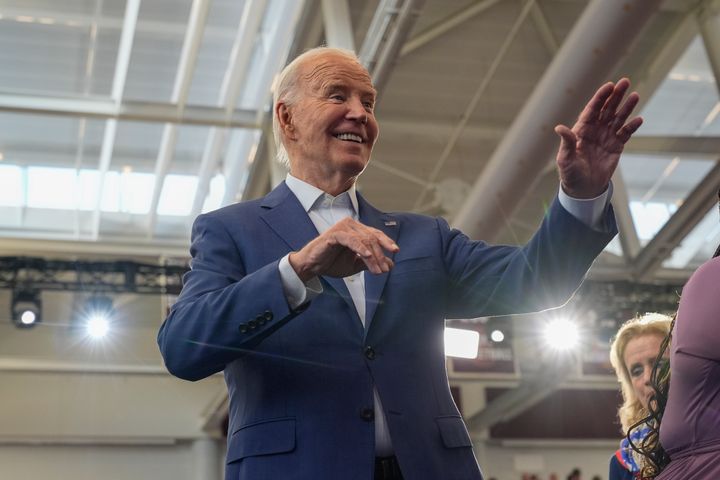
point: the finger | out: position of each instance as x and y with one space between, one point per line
626 109
631 127
568 142
592 110
611 104
386 242
378 253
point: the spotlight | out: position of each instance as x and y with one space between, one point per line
26 308
498 329
98 316
461 343
497 336
561 334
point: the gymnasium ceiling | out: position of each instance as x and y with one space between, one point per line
120 121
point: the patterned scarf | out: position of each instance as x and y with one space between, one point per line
628 457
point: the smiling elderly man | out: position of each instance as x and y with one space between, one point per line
327 315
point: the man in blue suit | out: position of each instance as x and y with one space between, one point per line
327 315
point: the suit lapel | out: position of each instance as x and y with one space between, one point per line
374 284
288 219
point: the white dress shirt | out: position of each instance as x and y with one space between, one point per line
325 211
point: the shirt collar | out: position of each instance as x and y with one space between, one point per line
308 195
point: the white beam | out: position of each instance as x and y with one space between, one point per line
122 63
626 225
338 27
675 145
599 39
381 65
245 42
105 108
446 25
110 246
276 44
181 88
544 30
709 24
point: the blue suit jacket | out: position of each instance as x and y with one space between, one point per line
301 382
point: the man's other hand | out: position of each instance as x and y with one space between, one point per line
345 249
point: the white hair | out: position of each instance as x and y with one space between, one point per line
287 90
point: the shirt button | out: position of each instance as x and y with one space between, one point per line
367 414
370 353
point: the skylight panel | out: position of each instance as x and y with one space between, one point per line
11 186
50 187
217 190
177 195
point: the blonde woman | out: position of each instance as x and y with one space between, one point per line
633 354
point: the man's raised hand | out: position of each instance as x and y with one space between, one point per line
590 150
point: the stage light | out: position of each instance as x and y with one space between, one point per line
26 308
561 334
98 326
98 316
497 336
461 343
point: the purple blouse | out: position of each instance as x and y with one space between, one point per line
690 429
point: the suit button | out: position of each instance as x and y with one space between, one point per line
260 319
252 324
268 315
367 414
370 353
243 328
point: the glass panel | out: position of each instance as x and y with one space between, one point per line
177 195
687 101
11 186
657 185
217 190
699 245
43 191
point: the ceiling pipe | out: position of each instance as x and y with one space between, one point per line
593 49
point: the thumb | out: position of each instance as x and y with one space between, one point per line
567 142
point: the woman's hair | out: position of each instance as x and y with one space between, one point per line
632 409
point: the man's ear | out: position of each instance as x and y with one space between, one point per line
284 116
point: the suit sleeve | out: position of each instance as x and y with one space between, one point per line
499 280
222 311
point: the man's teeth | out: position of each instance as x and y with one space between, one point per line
349 136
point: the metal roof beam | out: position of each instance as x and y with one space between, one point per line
181 89
338 28
675 145
122 64
691 212
241 53
276 43
446 25
608 26
472 104
105 108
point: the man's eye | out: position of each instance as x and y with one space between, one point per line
337 97
369 105
636 371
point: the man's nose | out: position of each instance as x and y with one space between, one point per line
356 110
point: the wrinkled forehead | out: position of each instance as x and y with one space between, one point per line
331 69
